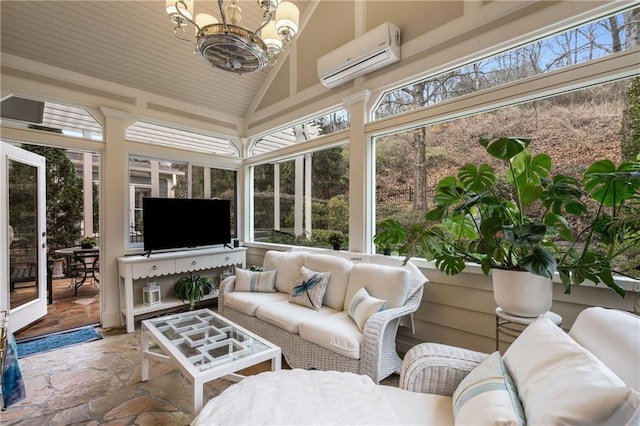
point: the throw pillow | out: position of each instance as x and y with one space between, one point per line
362 306
256 281
309 288
487 396
560 382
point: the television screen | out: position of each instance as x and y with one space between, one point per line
171 223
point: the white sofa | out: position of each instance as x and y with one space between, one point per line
589 376
327 338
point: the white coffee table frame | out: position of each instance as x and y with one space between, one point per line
197 377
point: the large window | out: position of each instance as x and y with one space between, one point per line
174 179
304 200
574 129
574 46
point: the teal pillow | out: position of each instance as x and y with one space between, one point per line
309 288
488 396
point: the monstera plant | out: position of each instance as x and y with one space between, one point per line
520 220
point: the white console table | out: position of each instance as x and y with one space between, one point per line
141 267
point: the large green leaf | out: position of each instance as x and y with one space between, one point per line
525 235
609 186
504 148
450 264
540 262
477 179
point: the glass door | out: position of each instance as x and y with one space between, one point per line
23 270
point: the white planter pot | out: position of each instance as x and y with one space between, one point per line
522 293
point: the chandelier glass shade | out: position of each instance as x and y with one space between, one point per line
225 44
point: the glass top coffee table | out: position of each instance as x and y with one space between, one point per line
205 346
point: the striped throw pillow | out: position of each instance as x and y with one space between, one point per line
255 281
362 306
487 396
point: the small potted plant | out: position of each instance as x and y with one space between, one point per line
88 242
193 288
524 227
390 235
336 239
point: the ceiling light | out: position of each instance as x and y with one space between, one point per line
228 46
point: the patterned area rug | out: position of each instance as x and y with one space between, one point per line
59 340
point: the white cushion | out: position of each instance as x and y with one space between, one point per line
383 282
288 316
487 396
288 265
256 281
310 288
560 382
362 306
611 335
416 408
339 268
248 302
336 332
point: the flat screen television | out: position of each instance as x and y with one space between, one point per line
174 223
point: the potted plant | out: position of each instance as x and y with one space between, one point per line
390 235
525 227
336 238
193 288
88 242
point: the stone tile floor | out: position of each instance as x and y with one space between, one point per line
98 383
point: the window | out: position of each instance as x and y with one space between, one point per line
574 129
574 46
303 132
302 201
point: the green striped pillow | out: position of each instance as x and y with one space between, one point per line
255 281
487 396
362 306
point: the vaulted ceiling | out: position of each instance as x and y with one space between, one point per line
130 43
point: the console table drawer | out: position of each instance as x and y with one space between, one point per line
153 268
228 259
195 263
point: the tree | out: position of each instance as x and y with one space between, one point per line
64 198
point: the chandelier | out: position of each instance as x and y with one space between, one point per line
228 46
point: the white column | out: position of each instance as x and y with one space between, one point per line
276 196
298 199
207 183
114 193
308 159
361 169
87 190
155 178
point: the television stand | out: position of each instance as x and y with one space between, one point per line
135 270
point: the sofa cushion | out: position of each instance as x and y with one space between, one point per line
256 281
417 408
336 332
362 306
597 330
288 265
383 282
310 288
560 382
337 287
248 302
288 316
487 396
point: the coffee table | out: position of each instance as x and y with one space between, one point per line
205 346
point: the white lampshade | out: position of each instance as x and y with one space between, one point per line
270 36
171 8
204 19
287 17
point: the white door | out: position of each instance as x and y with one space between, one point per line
23 269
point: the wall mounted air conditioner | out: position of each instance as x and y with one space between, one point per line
370 51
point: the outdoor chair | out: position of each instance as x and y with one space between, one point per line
85 264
